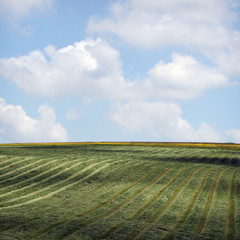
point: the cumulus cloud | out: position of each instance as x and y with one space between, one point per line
17 126
162 120
182 78
92 70
154 23
202 26
88 69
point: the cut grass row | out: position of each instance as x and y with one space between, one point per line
94 189
118 192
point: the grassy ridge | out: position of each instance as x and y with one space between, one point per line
119 191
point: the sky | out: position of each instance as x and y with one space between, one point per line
129 70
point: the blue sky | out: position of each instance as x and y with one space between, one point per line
130 70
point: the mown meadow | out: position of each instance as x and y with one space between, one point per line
120 191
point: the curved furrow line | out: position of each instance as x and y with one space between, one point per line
230 226
155 196
43 210
86 194
32 193
53 202
25 173
3 160
91 209
105 201
127 200
162 208
203 218
80 226
5 163
26 165
145 204
104 191
171 198
44 180
14 171
190 204
54 224
48 170
19 160
136 194
60 189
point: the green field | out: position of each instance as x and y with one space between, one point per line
119 191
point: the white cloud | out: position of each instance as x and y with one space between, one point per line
162 121
21 8
182 78
88 69
92 70
202 26
233 135
151 23
17 126
211 11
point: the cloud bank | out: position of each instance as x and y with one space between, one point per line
88 69
205 27
163 121
17 126
92 69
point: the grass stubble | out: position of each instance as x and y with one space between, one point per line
119 191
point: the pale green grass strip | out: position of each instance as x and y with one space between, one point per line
45 180
28 182
136 194
20 168
203 219
60 189
145 205
95 189
171 198
64 204
96 206
154 197
190 204
15 171
101 190
77 228
108 213
162 208
5 162
67 179
52 185
18 160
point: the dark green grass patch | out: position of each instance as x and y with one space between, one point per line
119 191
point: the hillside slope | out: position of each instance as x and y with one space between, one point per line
119 191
